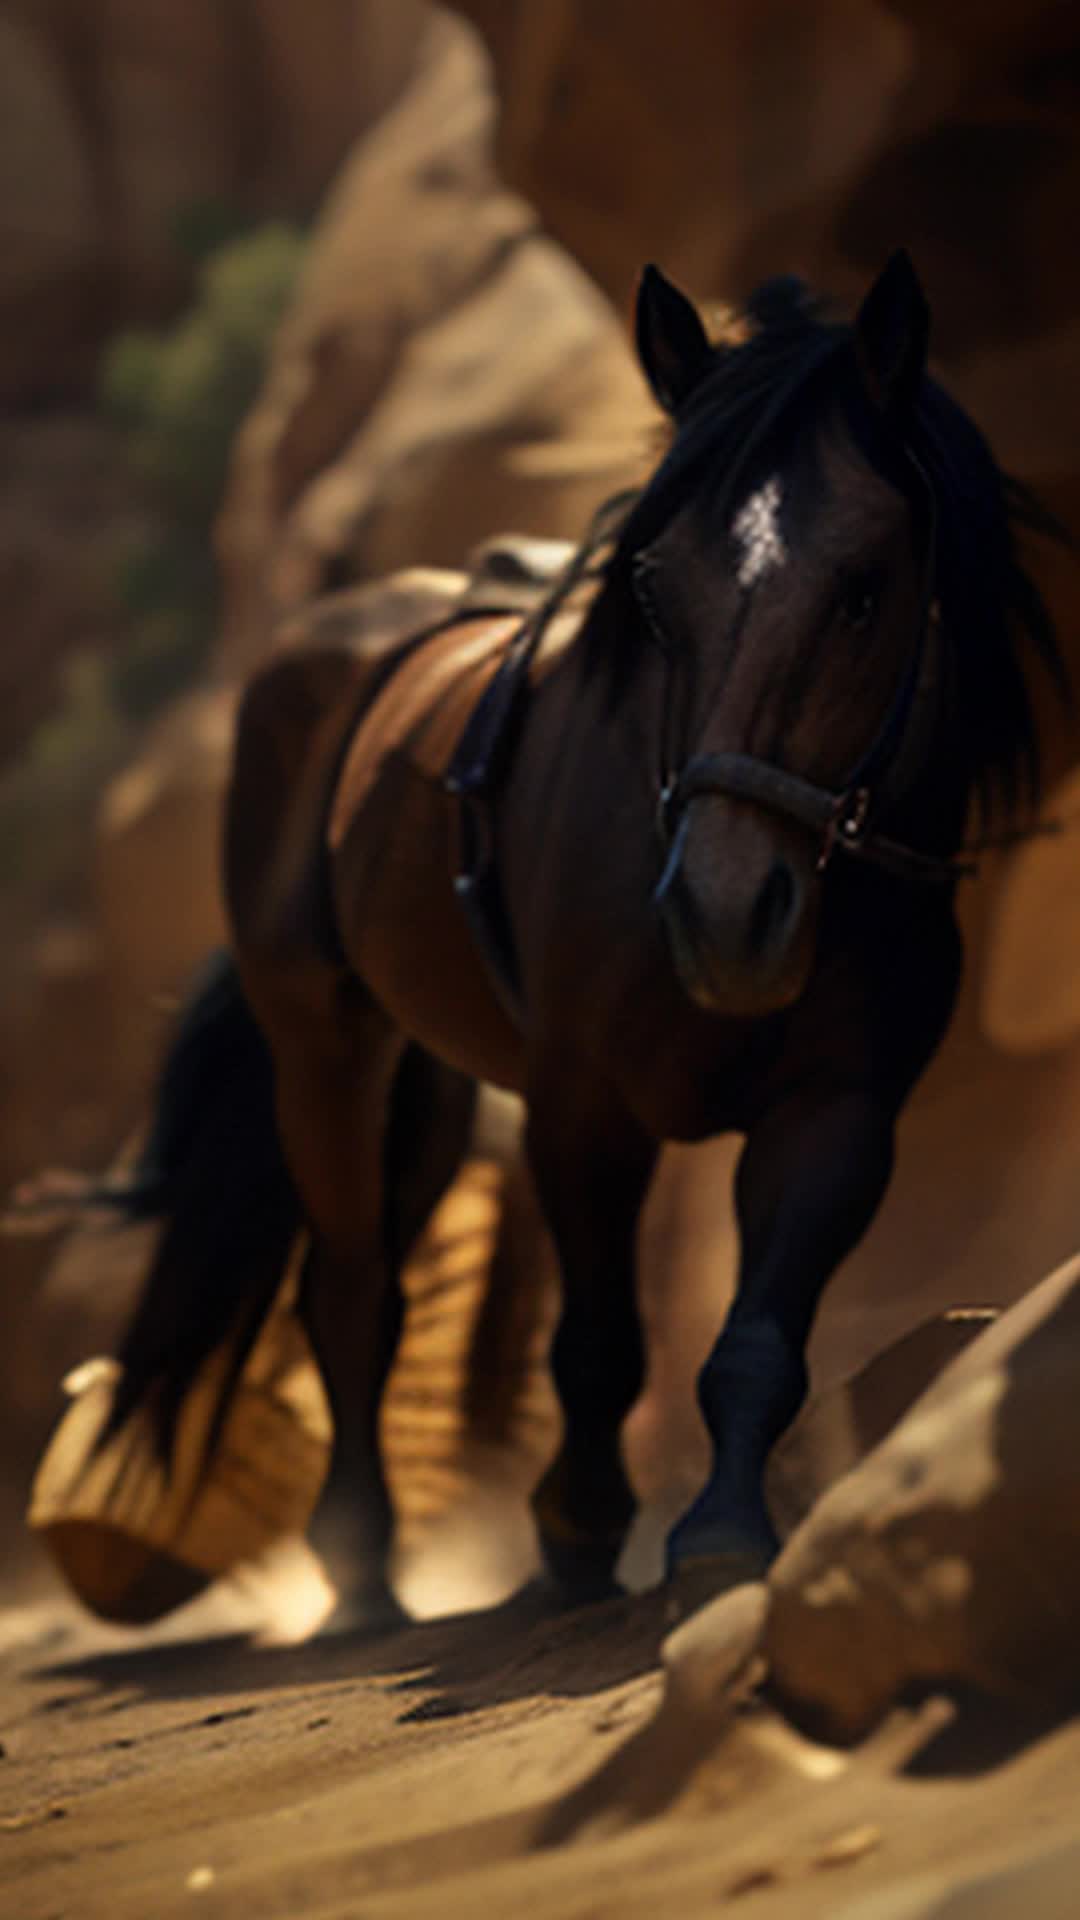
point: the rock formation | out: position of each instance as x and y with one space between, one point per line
116 122
815 139
952 1554
948 1557
424 395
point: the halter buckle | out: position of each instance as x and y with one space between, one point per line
848 825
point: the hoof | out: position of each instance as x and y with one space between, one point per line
579 1559
372 1608
581 1570
694 1581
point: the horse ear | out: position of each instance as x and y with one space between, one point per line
892 331
672 344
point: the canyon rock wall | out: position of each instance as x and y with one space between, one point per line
118 118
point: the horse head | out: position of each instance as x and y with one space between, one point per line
782 566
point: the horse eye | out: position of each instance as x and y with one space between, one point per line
859 600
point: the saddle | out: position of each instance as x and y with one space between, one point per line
440 669
509 574
442 696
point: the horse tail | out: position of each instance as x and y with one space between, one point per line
213 1173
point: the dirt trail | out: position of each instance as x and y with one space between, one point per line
507 1763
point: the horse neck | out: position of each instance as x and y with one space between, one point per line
613 647
586 753
927 793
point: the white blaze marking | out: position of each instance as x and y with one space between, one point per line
756 527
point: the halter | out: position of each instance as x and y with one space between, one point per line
843 820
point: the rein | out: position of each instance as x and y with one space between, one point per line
481 752
478 756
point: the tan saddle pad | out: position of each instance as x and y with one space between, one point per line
420 710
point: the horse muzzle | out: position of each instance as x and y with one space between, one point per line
738 902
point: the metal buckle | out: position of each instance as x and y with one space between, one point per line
847 827
665 794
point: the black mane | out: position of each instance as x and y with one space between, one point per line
794 362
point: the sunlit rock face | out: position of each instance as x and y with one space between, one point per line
952 1553
426 391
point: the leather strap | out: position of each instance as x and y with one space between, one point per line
840 818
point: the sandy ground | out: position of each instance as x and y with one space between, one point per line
515 1761
512 1762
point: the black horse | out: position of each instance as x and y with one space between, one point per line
711 847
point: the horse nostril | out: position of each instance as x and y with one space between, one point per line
773 909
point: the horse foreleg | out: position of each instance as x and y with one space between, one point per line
812 1175
591 1171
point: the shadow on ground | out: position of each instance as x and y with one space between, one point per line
459 1664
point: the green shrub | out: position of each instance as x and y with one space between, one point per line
179 397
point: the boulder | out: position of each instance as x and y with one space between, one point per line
1044 1884
952 1553
840 1426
